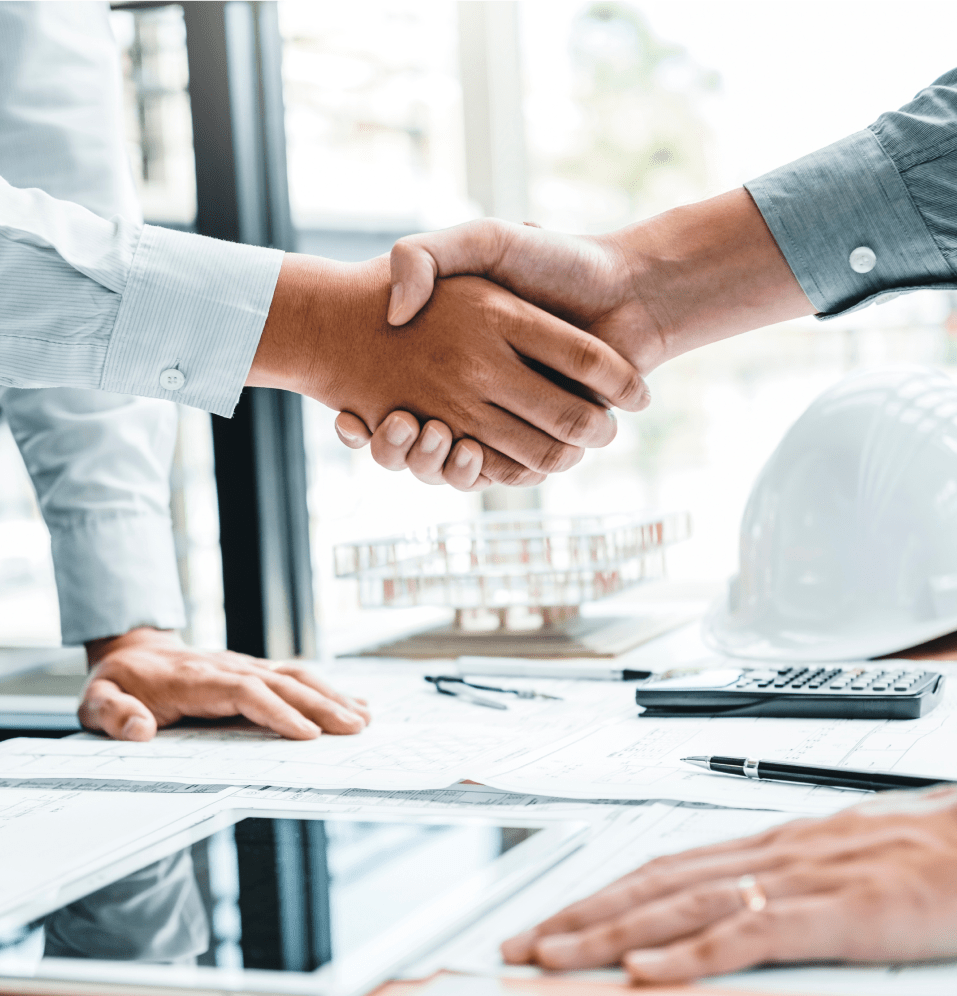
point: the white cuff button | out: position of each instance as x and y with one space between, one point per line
863 259
172 380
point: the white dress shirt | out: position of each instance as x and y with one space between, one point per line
91 298
108 303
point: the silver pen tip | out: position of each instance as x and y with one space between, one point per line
698 761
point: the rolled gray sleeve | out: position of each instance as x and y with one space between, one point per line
891 189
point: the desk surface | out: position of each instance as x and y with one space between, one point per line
568 987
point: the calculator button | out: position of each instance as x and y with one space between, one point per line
858 686
879 687
902 688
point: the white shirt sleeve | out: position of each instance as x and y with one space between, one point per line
87 299
100 464
113 305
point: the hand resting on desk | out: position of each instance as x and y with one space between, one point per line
149 678
874 883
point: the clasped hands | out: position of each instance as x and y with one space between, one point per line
648 293
466 380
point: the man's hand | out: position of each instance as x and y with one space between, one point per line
148 678
466 360
875 883
653 290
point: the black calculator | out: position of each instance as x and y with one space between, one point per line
891 689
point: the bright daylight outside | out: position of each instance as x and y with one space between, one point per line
627 109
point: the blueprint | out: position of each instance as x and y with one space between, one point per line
640 758
591 744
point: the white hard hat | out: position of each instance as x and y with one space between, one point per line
849 538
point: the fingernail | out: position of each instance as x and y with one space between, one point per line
397 432
519 946
348 716
463 457
554 947
347 436
558 951
395 300
644 959
430 440
136 728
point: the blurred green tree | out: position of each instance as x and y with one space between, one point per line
642 131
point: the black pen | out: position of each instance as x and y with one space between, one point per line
814 774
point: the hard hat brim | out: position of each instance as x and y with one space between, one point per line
725 634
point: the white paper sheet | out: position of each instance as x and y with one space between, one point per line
627 842
419 739
591 745
476 800
639 758
51 835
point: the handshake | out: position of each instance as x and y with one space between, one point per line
494 353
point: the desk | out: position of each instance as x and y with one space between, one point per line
572 987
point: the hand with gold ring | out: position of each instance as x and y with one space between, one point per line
874 883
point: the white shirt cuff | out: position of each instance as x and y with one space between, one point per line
192 313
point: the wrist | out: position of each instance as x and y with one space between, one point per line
309 339
705 272
140 636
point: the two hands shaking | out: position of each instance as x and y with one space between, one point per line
600 312
485 353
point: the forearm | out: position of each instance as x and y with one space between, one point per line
704 272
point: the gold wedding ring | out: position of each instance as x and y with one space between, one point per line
752 895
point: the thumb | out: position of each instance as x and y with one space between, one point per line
414 270
476 247
106 707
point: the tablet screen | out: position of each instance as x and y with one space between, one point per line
277 894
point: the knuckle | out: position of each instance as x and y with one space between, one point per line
651 883
514 475
632 387
695 906
616 936
558 457
580 423
586 356
246 686
705 951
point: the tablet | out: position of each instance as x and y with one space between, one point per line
330 905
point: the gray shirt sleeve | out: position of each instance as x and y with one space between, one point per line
890 189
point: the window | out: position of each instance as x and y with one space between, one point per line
159 134
634 107
29 614
158 123
629 108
